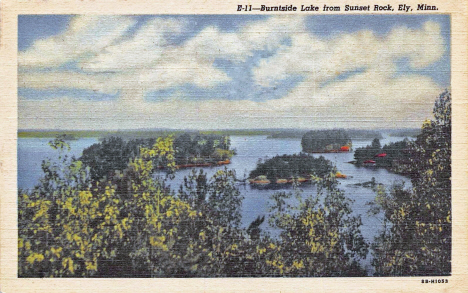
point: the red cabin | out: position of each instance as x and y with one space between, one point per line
381 155
369 162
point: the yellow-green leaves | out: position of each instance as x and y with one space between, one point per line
35 257
67 264
417 238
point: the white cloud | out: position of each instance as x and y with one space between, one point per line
211 43
423 47
141 51
374 95
366 98
269 34
404 102
373 92
85 35
324 60
112 62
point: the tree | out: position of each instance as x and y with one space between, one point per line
395 155
376 144
319 237
183 146
131 224
417 240
217 197
112 154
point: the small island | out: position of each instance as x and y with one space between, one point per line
287 169
326 141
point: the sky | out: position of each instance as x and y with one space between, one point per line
82 72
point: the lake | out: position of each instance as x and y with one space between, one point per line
31 152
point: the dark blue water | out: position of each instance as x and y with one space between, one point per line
31 152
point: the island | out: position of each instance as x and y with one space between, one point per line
287 169
191 150
392 156
326 141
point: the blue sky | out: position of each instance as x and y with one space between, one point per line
230 71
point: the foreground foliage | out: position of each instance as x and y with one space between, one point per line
416 239
319 234
130 224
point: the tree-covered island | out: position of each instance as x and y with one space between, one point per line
326 141
196 150
394 156
290 168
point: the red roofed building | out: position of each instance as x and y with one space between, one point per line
344 148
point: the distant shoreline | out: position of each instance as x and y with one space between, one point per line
274 133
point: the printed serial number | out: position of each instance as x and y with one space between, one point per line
434 281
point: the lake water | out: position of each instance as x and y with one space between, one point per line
31 152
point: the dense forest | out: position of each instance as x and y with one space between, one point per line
125 222
416 238
394 156
323 141
114 153
292 166
202 148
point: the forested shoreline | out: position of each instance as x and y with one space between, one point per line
114 153
106 215
324 141
393 156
